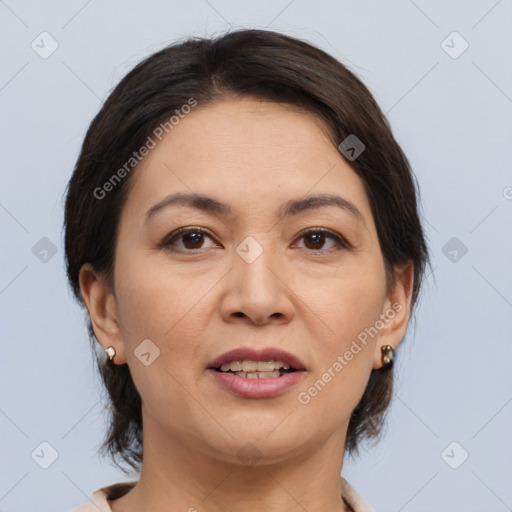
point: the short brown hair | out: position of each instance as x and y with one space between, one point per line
247 63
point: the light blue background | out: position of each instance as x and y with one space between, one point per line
453 120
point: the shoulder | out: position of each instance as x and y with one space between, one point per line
98 501
353 499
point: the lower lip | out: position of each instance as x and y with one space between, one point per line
257 388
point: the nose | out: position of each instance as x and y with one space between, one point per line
258 292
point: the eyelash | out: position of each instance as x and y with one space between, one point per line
340 241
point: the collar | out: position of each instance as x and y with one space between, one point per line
99 499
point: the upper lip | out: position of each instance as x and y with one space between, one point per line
262 354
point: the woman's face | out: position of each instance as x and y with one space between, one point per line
247 276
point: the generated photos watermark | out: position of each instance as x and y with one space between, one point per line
305 397
137 156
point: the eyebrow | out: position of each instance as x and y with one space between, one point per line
290 208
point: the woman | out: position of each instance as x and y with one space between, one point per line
242 228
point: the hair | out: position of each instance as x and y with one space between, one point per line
258 64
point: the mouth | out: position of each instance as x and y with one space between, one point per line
251 363
249 369
254 373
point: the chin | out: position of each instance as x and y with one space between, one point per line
261 445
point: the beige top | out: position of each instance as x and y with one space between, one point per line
99 503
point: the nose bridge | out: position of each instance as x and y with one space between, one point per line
257 289
255 257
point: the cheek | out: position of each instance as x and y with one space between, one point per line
349 306
153 301
347 301
167 308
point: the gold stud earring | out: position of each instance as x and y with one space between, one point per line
388 354
111 352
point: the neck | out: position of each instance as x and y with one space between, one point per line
176 476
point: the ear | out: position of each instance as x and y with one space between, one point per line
101 305
396 312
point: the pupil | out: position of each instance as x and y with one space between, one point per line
317 239
195 237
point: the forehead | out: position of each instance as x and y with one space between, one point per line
246 128
249 153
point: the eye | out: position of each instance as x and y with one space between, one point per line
316 238
192 239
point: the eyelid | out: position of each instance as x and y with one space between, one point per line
341 241
180 231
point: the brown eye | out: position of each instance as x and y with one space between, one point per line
191 239
315 239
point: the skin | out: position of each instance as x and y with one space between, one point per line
203 299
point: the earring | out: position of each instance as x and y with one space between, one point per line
388 354
111 352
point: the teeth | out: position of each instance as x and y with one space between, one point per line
236 366
247 366
259 375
